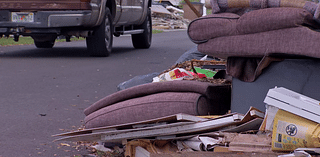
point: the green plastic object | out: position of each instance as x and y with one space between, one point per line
207 72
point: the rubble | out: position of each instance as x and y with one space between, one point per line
168 18
186 133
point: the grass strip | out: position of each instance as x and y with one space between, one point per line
29 41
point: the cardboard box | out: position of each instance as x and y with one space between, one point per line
188 13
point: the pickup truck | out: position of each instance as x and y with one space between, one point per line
96 20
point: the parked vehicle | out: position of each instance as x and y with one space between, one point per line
96 20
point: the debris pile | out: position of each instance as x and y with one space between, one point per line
194 106
275 132
168 18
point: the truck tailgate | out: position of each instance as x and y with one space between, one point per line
44 5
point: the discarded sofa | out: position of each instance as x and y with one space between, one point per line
264 48
154 100
257 33
300 75
222 5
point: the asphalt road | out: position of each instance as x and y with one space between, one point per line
44 91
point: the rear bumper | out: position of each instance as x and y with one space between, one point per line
49 19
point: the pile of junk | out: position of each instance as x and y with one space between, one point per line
250 87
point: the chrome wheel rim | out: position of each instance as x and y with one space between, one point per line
107 34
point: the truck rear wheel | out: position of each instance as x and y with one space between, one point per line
99 44
44 44
143 40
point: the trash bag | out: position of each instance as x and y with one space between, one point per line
137 80
193 54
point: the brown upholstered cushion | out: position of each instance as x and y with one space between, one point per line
149 107
262 20
293 41
268 19
212 26
205 88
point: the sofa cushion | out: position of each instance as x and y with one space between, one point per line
262 20
292 41
212 26
268 19
205 88
149 107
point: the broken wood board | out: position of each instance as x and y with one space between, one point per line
221 149
251 143
250 122
176 126
253 113
160 9
248 126
214 154
181 117
98 136
177 129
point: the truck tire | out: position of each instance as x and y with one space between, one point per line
44 44
143 40
99 44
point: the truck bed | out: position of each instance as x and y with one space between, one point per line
44 5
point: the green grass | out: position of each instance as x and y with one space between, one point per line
28 40
209 11
22 41
156 31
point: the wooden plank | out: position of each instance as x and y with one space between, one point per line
251 114
193 8
251 125
174 129
221 149
257 114
190 128
159 9
215 154
251 143
186 117
157 131
181 117
96 136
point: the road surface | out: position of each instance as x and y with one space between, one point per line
44 91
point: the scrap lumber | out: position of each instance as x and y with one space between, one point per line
175 126
158 131
215 154
193 8
181 117
251 143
